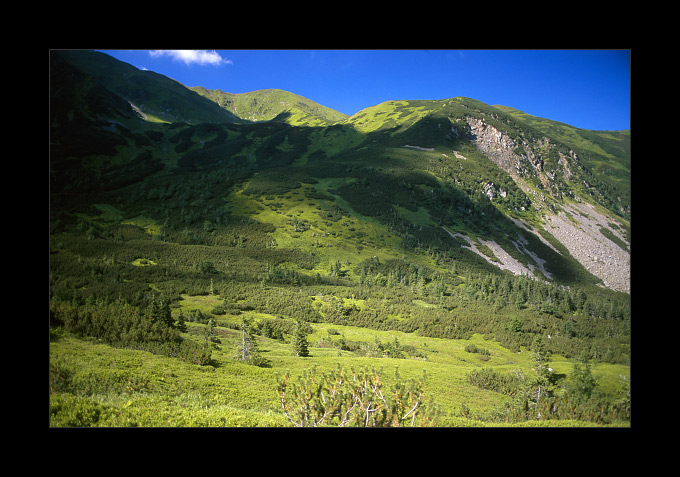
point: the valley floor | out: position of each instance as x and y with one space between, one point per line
94 384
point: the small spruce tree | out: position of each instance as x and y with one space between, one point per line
301 345
159 311
541 382
248 349
581 383
181 323
209 333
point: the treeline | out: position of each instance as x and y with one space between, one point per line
499 290
605 340
575 396
450 196
510 309
454 304
125 326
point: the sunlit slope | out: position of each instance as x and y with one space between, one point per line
273 104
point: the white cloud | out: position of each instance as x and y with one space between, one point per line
189 57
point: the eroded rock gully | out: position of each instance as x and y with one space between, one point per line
582 237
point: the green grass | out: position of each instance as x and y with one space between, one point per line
267 104
257 201
117 387
113 387
143 262
353 238
148 225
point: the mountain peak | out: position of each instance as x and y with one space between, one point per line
268 104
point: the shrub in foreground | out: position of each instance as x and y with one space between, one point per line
339 398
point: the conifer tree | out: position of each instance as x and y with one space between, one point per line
248 349
181 323
301 345
209 334
159 311
542 382
581 382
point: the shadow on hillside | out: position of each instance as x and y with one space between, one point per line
271 158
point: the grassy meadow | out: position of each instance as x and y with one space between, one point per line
99 385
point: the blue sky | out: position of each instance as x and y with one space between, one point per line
589 89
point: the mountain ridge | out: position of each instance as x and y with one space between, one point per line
542 174
268 104
154 94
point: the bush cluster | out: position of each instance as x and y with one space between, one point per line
125 326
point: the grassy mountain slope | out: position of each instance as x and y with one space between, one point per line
273 104
154 96
439 224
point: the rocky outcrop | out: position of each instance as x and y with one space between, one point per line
578 226
492 191
517 157
495 144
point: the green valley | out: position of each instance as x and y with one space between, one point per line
215 258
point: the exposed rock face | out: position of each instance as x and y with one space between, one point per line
503 259
584 240
496 145
500 148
